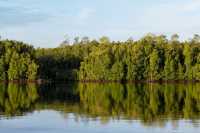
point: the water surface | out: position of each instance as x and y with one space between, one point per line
97 108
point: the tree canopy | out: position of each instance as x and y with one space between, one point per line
17 61
149 58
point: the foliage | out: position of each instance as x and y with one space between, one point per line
150 58
17 61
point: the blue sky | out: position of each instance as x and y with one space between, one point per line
45 23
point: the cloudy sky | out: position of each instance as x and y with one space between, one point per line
45 23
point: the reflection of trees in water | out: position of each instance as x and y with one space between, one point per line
151 103
148 102
15 98
58 92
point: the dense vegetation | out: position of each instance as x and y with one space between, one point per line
17 61
150 58
62 63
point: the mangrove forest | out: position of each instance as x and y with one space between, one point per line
151 58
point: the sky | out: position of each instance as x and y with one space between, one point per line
46 23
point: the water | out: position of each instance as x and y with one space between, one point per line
99 108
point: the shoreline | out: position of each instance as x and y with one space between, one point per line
42 81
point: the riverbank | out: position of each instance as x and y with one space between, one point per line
41 81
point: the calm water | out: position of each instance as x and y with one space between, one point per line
100 108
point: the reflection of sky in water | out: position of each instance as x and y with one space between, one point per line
49 121
45 22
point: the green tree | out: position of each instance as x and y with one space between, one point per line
188 62
154 65
2 69
104 40
32 71
14 67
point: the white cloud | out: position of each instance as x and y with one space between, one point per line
172 17
47 27
85 14
179 6
193 5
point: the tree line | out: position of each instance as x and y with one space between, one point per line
149 58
